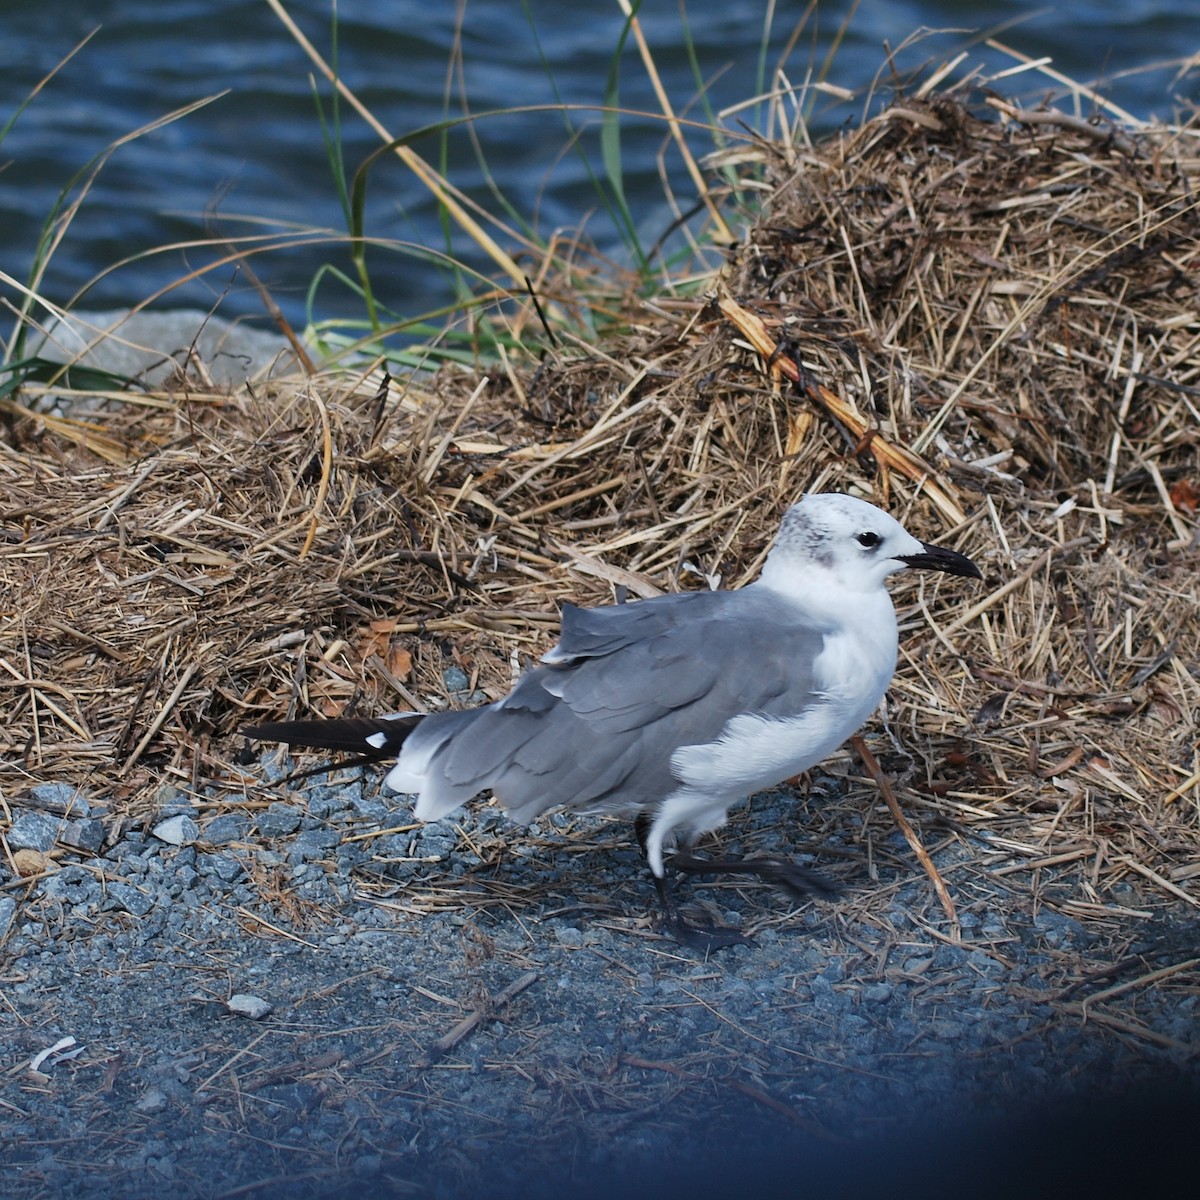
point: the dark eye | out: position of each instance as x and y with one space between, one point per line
868 541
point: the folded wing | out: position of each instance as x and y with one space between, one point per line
595 726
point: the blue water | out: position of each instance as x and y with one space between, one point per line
253 161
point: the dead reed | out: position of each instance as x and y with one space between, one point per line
984 319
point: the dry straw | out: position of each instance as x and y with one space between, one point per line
984 319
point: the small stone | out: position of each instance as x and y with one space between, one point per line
223 866
877 993
8 910
456 679
154 1100
368 1165
228 827
279 820
436 843
322 806
29 863
33 831
568 935
85 835
950 956
823 992
61 798
371 809
313 843
179 830
835 972
164 1166
167 795
132 900
245 1005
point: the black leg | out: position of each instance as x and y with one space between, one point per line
642 824
793 878
700 937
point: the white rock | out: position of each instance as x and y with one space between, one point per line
179 830
152 1101
243 1005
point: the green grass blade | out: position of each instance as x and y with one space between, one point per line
610 146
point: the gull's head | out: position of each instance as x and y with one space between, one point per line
829 538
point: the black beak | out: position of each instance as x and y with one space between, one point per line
936 558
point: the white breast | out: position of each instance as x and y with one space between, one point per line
754 751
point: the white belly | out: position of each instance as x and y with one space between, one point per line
756 751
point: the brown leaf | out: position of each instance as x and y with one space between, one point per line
1185 497
375 637
1063 765
399 661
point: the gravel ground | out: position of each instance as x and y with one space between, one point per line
471 1009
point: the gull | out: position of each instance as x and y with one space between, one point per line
673 709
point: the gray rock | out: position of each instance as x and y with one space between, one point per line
373 810
436 843
153 1100
313 843
279 820
368 1165
151 346
179 830
129 898
72 885
456 679
228 827
8 910
33 831
328 804
223 866
62 798
167 797
163 1166
185 878
87 835
245 1005
134 864
836 971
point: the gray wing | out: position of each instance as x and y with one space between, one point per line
626 686
594 632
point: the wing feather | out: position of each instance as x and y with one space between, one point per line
596 726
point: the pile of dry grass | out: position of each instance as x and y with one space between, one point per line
1012 302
